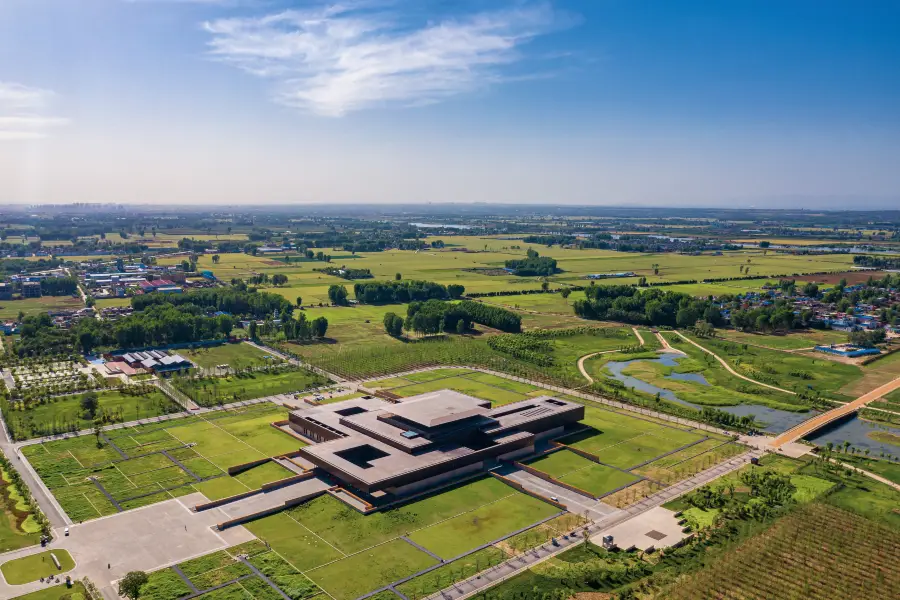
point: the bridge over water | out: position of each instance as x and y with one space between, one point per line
807 427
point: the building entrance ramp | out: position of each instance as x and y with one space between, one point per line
271 501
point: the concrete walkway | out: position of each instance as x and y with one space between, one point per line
728 368
144 539
578 504
868 474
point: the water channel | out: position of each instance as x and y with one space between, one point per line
853 430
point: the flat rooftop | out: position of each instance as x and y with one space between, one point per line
442 407
375 444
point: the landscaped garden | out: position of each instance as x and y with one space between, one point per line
210 391
59 414
75 591
35 566
171 458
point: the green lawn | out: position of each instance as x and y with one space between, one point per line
460 534
457 570
599 479
62 591
221 440
497 395
238 356
355 575
10 309
33 567
210 391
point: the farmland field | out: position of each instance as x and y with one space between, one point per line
206 446
792 341
818 552
10 309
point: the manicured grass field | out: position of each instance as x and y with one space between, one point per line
582 473
355 575
213 390
237 356
486 523
58 592
63 412
220 440
33 567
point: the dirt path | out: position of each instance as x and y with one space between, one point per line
807 427
728 368
666 347
581 360
638 334
869 474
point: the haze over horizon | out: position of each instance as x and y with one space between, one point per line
765 104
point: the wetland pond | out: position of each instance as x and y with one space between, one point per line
772 420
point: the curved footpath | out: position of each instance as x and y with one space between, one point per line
728 368
581 360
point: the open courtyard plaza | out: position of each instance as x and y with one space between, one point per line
448 472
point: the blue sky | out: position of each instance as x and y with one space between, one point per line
613 102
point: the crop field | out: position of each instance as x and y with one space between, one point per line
137 466
64 413
237 356
10 309
791 341
348 554
449 266
209 391
818 552
874 374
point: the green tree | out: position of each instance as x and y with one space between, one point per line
253 328
319 326
393 324
565 292
299 301
90 402
130 585
215 259
398 276
338 295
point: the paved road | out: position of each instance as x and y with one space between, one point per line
810 425
494 575
728 368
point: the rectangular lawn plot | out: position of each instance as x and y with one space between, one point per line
265 473
502 382
298 545
350 531
630 453
259 434
423 376
598 479
371 569
497 396
210 440
462 533
388 383
144 464
221 487
559 463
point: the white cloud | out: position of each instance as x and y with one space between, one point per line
21 112
338 58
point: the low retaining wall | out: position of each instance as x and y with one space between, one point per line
226 500
554 481
337 492
525 490
274 485
580 452
235 469
269 511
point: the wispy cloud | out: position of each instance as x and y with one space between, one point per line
332 59
22 112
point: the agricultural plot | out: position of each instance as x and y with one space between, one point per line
142 465
818 552
348 554
10 309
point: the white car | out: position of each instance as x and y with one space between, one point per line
554 498
67 531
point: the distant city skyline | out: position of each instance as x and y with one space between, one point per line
765 104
